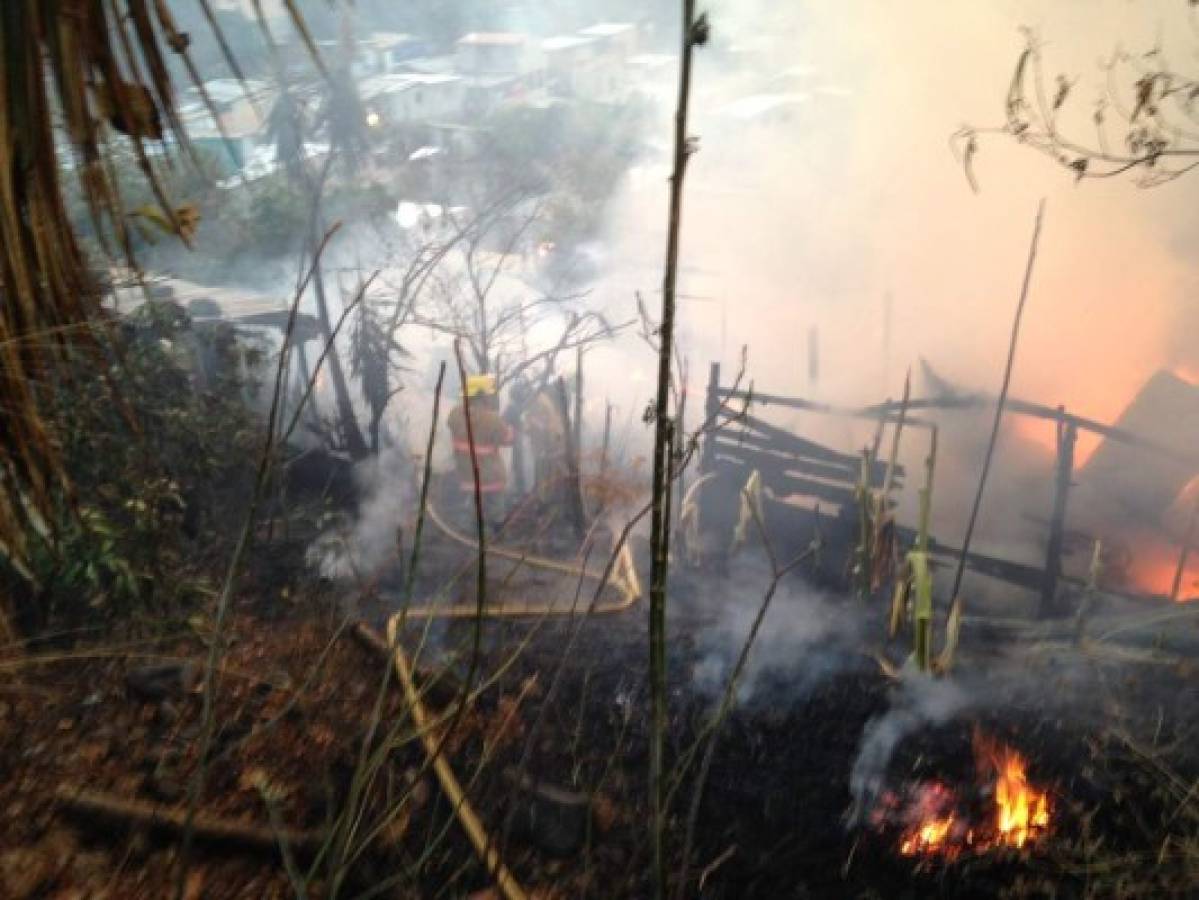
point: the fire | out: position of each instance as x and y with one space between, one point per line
1149 563
930 837
1042 434
936 820
1022 811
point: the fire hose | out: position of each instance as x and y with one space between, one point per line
623 577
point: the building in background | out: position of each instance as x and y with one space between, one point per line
500 68
570 64
407 98
232 137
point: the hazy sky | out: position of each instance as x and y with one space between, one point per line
814 224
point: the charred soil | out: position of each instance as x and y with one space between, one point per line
552 754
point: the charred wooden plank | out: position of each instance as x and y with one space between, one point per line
783 483
754 452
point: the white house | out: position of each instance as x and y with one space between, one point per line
386 51
499 68
616 38
406 97
571 65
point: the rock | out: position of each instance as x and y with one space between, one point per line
549 817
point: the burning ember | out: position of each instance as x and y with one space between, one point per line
936 820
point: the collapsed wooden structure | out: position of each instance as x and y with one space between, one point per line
816 486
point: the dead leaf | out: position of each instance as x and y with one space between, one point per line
130 108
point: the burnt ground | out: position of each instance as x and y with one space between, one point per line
569 711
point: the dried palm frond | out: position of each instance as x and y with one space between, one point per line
76 76
899 600
751 505
953 628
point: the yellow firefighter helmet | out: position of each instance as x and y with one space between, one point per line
480 385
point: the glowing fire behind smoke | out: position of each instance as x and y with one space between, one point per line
937 823
1152 565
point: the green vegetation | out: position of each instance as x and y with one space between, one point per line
159 449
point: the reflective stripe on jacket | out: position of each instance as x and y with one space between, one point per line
491 433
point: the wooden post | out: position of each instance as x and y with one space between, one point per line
707 459
711 410
578 417
574 487
1187 539
603 460
1067 435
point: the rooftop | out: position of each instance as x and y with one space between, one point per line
229 90
385 40
565 42
653 60
607 29
509 38
433 65
394 83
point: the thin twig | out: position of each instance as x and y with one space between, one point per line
1007 378
663 464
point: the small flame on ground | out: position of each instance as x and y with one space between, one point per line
1023 811
936 824
930 837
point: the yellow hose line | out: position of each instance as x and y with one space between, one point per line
623 578
467 817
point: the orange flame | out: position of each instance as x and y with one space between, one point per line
937 827
928 838
1022 811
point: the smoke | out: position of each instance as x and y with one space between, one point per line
368 545
811 217
806 637
918 702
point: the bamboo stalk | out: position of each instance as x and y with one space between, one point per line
467 817
205 827
926 492
922 584
693 33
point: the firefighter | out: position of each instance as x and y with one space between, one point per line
544 424
490 433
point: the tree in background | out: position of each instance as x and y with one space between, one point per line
483 295
1145 121
79 78
574 155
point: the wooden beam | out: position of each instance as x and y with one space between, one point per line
759 455
783 483
1067 436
